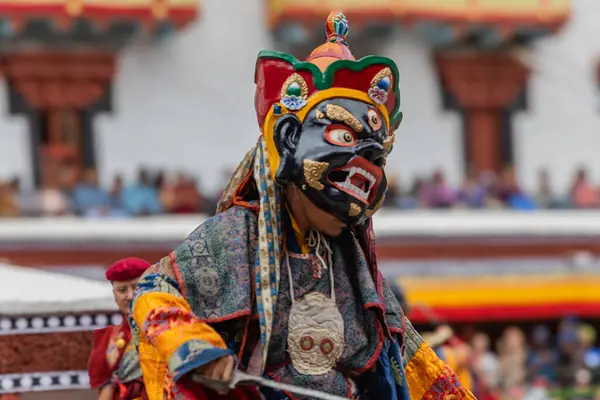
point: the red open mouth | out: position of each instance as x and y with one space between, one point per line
359 178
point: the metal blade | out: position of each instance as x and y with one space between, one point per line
241 378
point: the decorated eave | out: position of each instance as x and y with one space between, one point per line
52 317
443 22
502 298
89 19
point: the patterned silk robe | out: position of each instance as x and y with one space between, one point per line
198 304
115 361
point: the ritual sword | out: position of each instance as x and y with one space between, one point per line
241 378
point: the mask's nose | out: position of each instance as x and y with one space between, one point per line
373 152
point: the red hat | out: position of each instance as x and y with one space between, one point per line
127 269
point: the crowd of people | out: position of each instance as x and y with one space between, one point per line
160 193
70 194
544 366
490 190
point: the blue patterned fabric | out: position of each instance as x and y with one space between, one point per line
191 355
129 368
270 244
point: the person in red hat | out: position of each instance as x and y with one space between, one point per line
114 364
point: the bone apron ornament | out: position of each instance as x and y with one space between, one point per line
315 325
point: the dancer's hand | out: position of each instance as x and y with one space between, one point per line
220 369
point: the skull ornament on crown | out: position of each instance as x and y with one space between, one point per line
329 123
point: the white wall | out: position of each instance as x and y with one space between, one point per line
561 130
189 104
428 137
15 157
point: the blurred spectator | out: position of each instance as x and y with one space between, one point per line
188 199
160 180
437 193
512 357
583 194
53 200
452 351
583 389
490 181
570 350
141 198
9 206
538 390
543 360
27 199
166 191
392 196
509 192
88 198
410 200
506 186
590 352
544 196
472 193
485 367
116 191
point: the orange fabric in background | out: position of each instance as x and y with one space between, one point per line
485 298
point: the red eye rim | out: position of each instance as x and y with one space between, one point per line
374 124
307 343
329 136
326 346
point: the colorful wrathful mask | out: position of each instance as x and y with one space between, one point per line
329 123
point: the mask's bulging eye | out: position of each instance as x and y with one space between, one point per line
340 136
374 120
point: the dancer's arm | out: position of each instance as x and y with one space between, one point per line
426 374
169 336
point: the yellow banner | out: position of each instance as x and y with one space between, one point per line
502 291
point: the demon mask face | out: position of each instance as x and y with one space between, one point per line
329 123
336 156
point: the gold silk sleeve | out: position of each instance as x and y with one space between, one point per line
172 341
428 377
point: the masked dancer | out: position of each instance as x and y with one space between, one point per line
283 282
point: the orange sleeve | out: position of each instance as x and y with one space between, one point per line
172 341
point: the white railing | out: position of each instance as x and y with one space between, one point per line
387 224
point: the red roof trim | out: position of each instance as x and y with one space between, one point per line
553 21
180 16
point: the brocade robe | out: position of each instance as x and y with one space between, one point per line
198 304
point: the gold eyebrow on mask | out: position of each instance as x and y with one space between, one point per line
340 114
